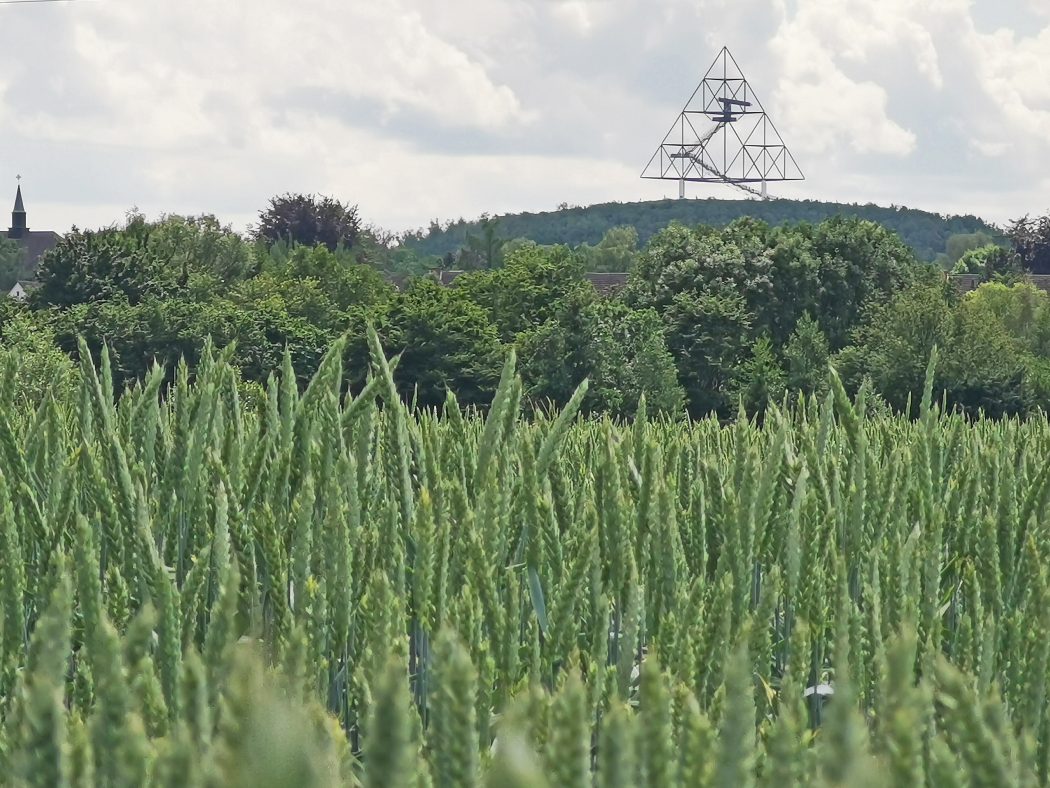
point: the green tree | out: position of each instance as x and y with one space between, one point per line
709 337
990 262
832 270
959 244
167 330
446 342
984 368
892 346
12 264
207 255
925 233
314 284
620 350
41 368
309 220
347 282
484 250
806 357
759 380
861 262
617 251
90 266
679 260
534 285
1022 309
638 360
981 368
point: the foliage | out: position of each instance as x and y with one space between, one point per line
89 266
991 263
861 263
337 591
541 304
633 361
483 250
710 315
708 335
157 291
308 220
721 292
42 370
534 285
983 365
925 233
446 343
1021 309
760 381
622 351
314 284
166 330
806 357
960 244
617 251
206 254
12 264
832 270
1031 243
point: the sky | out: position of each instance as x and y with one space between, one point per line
418 110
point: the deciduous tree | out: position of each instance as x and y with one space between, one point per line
309 220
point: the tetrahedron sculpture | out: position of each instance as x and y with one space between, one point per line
724 136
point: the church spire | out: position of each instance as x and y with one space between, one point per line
18 215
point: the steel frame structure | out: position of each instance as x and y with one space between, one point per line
742 148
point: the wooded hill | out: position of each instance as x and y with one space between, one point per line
925 232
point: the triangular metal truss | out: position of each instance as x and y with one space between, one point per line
723 135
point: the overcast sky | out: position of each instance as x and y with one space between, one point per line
420 109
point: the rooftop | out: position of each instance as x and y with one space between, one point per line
35 242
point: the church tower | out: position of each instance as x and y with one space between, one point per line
18 218
34 243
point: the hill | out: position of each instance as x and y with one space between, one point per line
927 233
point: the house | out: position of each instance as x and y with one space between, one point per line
33 242
22 289
608 283
964 283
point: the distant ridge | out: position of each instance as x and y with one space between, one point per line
925 232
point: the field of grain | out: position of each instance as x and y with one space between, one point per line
325 590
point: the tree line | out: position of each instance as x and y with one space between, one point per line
929 235
712 320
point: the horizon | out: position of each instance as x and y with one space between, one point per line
246 228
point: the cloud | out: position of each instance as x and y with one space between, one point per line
1014 72
575 13
922 85
422 110
172 75
816 96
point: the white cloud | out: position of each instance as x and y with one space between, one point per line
1039 7
418 109
575 13
202 71
1015 75
827 107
